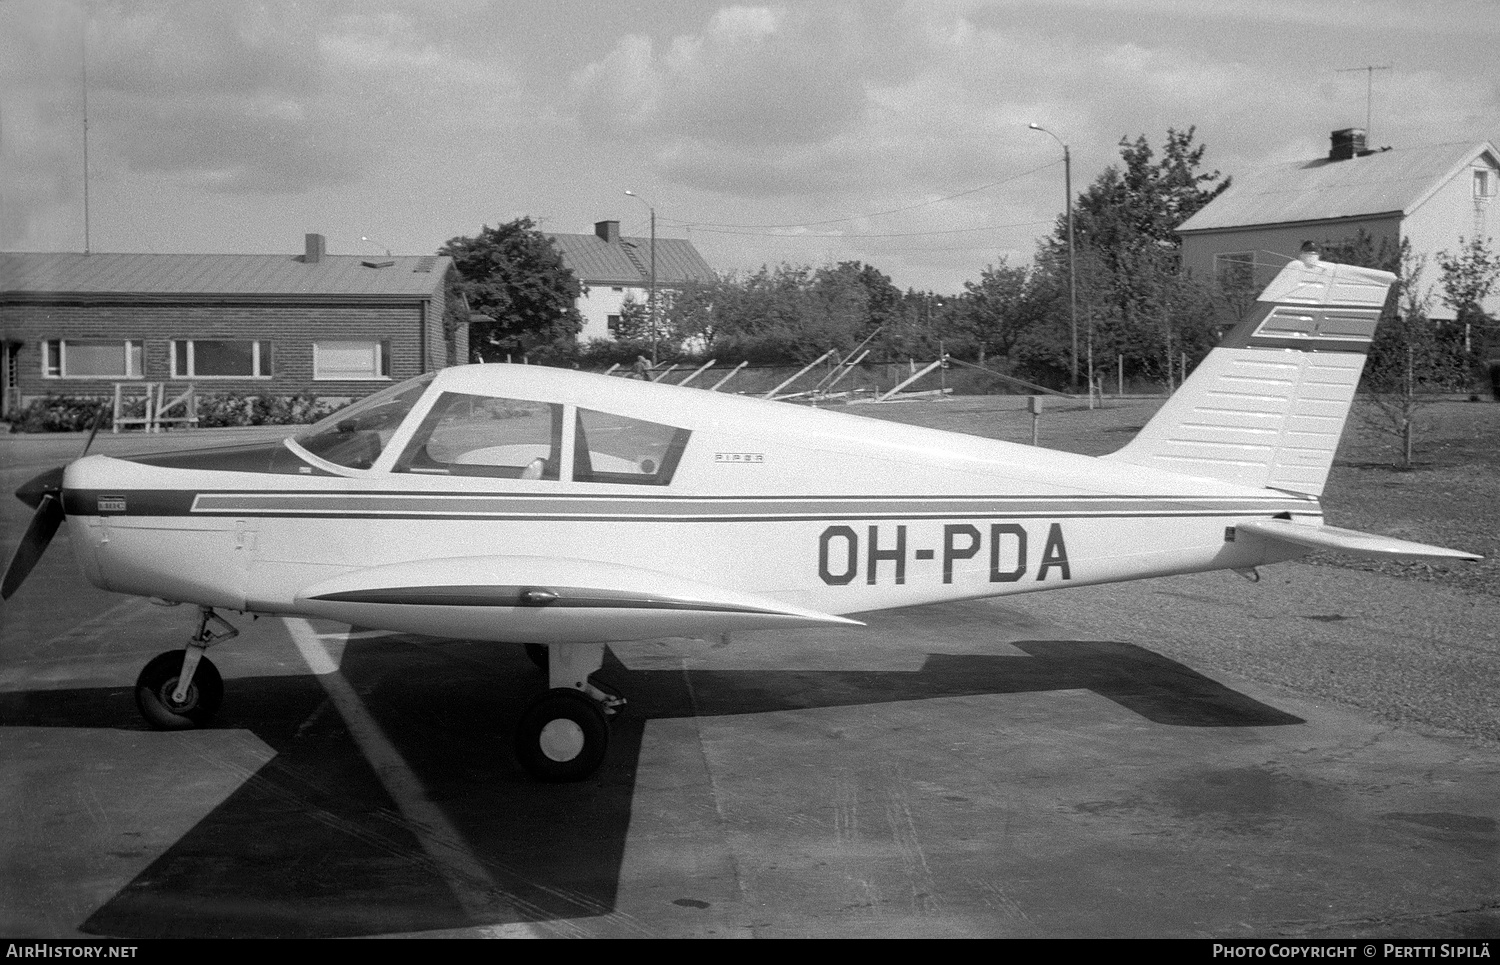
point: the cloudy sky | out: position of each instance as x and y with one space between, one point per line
811 133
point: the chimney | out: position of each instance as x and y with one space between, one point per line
317 247
608 230
1348 143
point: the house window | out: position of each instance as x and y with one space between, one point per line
614 323
353 361
76 358
216 358
1235 269
1484 183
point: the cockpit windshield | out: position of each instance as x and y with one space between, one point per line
356 436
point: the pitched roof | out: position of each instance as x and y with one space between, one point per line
33 274
628 261
1385 182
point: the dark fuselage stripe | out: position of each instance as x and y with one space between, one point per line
513 596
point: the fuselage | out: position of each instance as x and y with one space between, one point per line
818 510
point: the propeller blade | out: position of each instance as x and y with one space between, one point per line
44 523
98 421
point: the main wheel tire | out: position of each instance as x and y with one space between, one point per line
539 654
157 681
562 736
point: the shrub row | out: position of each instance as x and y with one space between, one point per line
60 413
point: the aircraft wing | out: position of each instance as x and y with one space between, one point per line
1347 540
534 599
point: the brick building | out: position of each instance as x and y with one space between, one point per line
337 326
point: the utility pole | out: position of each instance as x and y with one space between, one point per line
651 297
1072 263
83 46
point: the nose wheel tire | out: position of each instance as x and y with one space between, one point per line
157 681
562 736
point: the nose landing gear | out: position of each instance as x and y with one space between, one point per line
182 689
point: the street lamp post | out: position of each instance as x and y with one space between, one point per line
1072 266
651 298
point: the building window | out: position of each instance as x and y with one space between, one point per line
1235 269
1484 183
220 359
352 361
614 323
76 358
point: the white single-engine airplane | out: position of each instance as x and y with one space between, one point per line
520 504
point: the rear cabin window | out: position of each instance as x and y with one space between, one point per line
617 449
473 435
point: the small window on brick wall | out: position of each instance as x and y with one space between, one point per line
76 358
352 361
201 358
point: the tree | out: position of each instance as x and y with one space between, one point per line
999 308
1125 228
1411 360
790 314
1468 279
515 275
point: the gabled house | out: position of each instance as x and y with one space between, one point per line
1435 197
337 326
614 270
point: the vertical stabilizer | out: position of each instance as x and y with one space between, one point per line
1268 405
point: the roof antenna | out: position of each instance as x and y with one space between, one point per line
1369 88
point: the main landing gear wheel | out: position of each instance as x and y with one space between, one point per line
563 736
158 679
538 654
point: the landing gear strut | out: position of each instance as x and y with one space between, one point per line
182 689
564 733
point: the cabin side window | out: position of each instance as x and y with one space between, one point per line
475 435
617 449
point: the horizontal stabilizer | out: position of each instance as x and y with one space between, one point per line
1347 540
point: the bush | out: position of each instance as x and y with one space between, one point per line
72 414
237 409
59 413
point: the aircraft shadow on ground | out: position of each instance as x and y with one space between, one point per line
314 845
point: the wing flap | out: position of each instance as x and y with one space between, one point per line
1348 540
